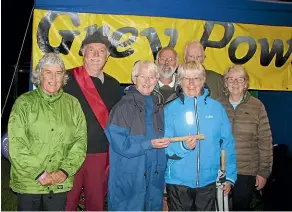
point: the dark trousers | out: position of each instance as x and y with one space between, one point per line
93 178
242 192
183 198
41 202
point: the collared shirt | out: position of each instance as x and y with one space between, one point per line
101 77
170 84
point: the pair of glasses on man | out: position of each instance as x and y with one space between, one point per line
233 80
164 59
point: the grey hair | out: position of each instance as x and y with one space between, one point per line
193 42
150 66
47 60
164 49
235 68
194 66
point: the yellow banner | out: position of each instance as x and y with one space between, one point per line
265 51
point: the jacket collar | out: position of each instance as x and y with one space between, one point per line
139 99
180 93
49 98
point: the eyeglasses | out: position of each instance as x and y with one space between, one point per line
190 79
150 78
163 59
238 80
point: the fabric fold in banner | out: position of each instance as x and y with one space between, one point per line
265 51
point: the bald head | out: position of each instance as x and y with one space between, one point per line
194 51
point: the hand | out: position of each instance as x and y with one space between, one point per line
260 182
191 141
160 142
58 176
47 180
226 188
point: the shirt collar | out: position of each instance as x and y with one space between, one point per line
170 84
101 77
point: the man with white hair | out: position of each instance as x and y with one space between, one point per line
167 62
97 93
194 51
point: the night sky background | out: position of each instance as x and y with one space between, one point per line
14 20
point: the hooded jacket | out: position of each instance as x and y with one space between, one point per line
182 117
45 133
136 177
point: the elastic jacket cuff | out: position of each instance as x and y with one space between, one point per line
37 178
66 173
229 181
184 146
146 144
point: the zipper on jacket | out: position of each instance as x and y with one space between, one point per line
234 114
169 169
198 143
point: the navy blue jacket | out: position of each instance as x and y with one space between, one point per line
136 178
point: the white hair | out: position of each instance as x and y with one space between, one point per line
193 66
47 60
142 63
193 42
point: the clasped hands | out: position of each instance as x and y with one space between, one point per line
52 178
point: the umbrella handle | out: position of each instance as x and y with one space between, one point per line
223 160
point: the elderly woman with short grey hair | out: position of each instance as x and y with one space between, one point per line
192 166
137 157
47 139
252 133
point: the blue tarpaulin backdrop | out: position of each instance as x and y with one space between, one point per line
278 104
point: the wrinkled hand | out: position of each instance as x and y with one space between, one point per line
260 182
48 180
191 141
160 142
226 188
58 176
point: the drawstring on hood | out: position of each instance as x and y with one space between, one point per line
180 93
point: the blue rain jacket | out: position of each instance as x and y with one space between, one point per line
136 178
181 120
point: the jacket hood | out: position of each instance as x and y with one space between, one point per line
131 90
180 93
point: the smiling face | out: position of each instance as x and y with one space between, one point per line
145 80
52 78
192 83
194 52
95 56
236 83
167 63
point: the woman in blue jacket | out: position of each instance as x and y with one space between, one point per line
192 167
137 155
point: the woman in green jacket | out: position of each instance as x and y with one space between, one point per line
47 139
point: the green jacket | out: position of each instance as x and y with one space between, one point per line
215 83
45 133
